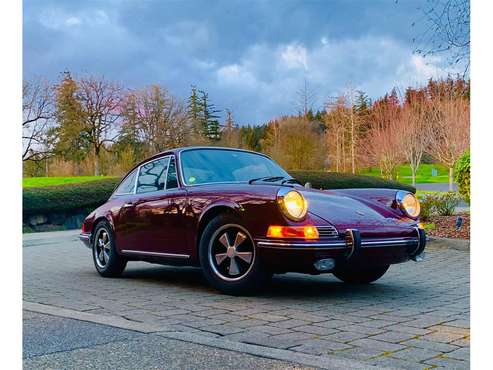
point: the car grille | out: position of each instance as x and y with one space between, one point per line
327 232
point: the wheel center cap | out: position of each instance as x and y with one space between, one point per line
231 252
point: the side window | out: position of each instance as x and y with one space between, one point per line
171 181
127 185
152 176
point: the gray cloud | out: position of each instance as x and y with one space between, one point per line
251 56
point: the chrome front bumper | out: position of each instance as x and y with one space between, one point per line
336 244
353 246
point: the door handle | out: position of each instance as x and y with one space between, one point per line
128 205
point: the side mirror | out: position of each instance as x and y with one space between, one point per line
308 185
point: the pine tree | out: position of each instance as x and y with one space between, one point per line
362 109
195 112
210 123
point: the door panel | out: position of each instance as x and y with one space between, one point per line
153 219
163 225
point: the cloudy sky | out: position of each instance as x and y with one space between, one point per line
251 56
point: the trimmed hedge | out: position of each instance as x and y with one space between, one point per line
334 180
90 195
87 195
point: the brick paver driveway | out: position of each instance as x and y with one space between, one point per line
415 317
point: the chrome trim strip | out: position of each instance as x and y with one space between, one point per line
155 254
340 244
389 242
333 245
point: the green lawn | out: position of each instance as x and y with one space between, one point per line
36 182
423 175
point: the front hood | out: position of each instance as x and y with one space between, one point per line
346 212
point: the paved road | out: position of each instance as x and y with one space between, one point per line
439 186
415 317
435 186
52 342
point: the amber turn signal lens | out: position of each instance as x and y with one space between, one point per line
305 232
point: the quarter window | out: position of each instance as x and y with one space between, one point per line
172 182
127 185
152 176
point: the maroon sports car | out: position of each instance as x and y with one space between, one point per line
240 217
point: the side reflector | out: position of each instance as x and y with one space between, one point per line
305 232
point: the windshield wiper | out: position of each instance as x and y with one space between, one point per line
290 181
266 178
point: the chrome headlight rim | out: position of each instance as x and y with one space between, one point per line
399 198
281 194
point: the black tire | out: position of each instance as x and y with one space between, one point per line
112 264
218 263
354 275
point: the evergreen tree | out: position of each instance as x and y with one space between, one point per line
73 142
362 106
195 112
210 123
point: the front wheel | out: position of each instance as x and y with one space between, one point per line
362 275
106 259
228 257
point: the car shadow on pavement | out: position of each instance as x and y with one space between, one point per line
283 285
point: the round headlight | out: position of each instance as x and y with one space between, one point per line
293 204
408 203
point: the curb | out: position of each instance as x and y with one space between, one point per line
451 243
322 362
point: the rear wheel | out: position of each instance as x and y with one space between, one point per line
106 259
228 257
361 275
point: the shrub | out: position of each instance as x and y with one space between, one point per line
463 175
444 204
82 196
438 204
334 180
426 203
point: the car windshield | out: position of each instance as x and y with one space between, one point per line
201 166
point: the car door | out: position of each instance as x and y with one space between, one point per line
154 216
124 214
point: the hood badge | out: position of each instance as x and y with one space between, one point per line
361 213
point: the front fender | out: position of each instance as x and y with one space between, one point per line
220 203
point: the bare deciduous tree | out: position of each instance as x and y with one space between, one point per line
306 99
295 143
415 132
37 115
159 119
336 124
447 31
101 109
384 140
450 121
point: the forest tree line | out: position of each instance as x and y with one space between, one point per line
89 125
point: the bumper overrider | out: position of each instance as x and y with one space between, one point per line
85 238
324 255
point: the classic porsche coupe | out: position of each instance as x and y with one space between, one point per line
240 217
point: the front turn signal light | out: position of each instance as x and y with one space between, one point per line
304 232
